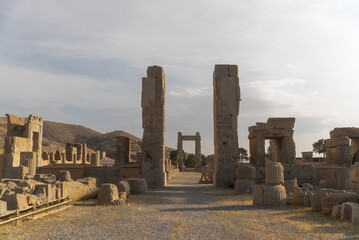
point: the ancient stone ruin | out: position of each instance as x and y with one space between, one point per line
23 147
272 194
226 99
280 133
153 124
197 139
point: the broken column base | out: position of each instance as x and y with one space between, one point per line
137 185
242 186
269 196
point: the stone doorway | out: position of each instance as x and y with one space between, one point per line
198 160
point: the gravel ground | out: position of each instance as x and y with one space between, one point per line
183 210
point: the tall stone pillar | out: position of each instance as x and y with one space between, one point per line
122 153
180 152
198 157
153 124
84 153
226 99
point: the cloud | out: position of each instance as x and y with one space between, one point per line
83 61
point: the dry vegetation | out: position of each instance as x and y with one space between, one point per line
183 212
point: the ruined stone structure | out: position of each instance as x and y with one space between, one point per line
122 153
153 124
226 99
23 147
280 132
272 194
342 149
245 179
76 153
307 156
197 139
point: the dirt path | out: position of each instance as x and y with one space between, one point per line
183 210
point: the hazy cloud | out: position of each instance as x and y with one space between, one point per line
82 62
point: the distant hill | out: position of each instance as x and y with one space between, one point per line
56 135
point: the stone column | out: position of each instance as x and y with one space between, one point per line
198 158
79 153
122 152
226 99
84 153
180 152
153 124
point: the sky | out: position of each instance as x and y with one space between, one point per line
82 61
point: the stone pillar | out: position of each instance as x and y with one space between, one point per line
84 153
98 155
198 157
226 99
153 124
122 152
180 152
79 153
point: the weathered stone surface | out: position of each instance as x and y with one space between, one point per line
15 201
31 199
23 146
355 214
342 149
137 185
280 132
153 124
243 186
123 198
351 132
124 186
337 177
324 184
316 198
298 196
308 186
290 185
45 178
274 173
45 188
304 173
307 156
82 189
333 198
336 211
3 207
347 209
122 153
246 171
61 190
30 184
226 99
269 196
89 181
108 194
64 176
306 199
354 177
